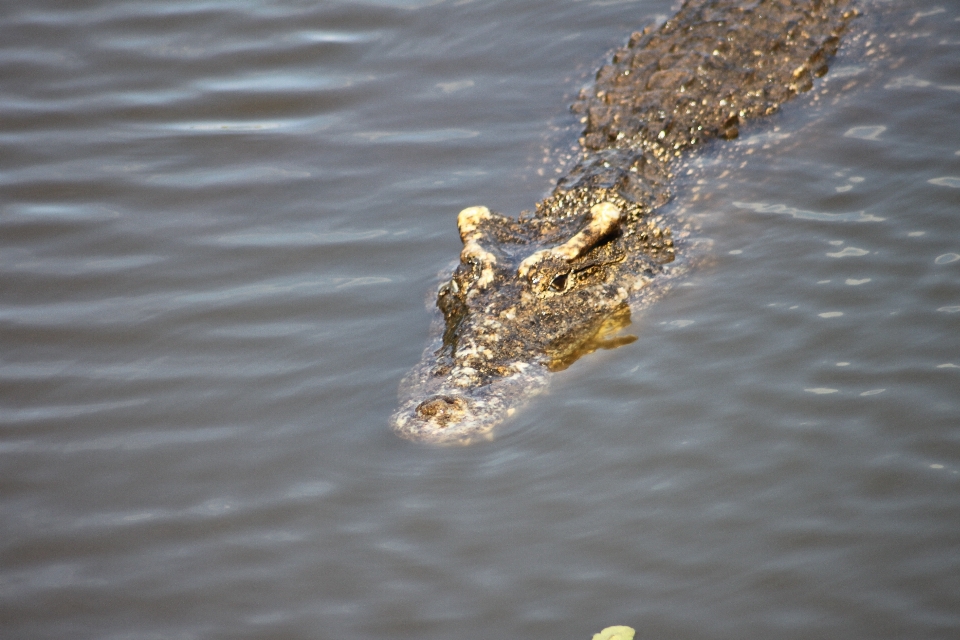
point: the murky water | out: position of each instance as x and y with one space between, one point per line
219 224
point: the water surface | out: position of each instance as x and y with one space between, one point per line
220 223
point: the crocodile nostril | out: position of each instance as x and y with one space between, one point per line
442 409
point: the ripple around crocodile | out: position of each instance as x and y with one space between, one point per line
533 294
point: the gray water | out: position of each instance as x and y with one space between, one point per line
219 225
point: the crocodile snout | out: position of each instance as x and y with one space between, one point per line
442 410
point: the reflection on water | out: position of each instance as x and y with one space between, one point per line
221 223
793 212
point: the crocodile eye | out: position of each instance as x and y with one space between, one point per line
559 282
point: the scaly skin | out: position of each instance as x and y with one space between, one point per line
533 294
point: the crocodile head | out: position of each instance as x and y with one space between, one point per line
529 296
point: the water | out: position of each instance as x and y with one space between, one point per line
219 225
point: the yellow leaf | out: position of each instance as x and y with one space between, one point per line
615 633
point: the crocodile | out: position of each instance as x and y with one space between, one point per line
532 294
